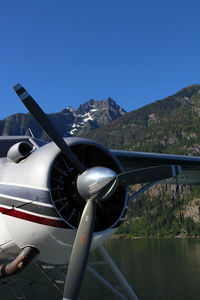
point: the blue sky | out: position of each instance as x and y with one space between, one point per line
66 52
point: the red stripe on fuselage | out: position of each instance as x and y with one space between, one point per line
33 218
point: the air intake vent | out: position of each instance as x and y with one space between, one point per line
66 199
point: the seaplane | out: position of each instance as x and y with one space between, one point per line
61 200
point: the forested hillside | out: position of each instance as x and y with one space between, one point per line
171 125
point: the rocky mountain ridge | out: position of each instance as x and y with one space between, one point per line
94 114
90 115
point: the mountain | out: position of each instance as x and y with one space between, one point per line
94 114
171 125
90 115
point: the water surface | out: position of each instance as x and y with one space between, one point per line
156 269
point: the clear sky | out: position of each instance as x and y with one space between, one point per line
66 52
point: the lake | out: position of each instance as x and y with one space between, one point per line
163 269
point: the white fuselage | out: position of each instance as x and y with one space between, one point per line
54 244
28 216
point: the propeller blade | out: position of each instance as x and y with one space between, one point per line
47 126
80 252
148 175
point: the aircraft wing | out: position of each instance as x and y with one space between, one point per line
190 175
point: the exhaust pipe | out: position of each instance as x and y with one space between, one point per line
24 258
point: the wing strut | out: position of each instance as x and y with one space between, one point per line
117 273
141 191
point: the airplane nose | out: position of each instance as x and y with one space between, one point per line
94 181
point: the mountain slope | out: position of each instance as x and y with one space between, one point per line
170 125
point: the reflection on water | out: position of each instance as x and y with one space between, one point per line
156 269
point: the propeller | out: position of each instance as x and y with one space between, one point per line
94 185
148 174
80 252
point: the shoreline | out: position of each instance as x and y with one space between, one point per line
126 236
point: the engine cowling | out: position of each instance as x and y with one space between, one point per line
65 197
41 204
